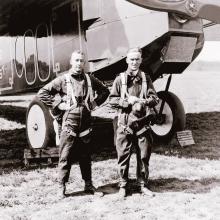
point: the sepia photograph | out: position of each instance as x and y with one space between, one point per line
109 109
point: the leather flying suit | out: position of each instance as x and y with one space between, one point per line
77 120
124 140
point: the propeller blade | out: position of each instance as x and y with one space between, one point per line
207 9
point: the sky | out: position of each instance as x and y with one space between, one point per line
210 52
211 49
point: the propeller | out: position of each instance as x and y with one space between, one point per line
206 9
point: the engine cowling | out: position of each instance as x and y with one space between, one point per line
207 9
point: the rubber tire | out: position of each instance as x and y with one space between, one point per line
48 138
179 117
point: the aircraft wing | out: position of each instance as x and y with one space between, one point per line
206 9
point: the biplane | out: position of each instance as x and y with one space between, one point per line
38 36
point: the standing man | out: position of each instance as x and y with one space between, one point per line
76 90
133 93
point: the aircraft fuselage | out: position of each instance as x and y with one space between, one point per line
37 49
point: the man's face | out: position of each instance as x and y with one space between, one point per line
77 61
134 60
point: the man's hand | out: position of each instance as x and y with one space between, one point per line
63 106
148 100
151 101
123 103
93 104
132 99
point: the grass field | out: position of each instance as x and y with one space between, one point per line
186 181
185 189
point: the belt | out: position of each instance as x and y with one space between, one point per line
128 130
141 131
81 134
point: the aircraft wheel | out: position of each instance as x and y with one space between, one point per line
39 125
172 119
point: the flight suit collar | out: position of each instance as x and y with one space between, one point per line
132 76
79 76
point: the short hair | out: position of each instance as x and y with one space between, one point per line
77 52
135 50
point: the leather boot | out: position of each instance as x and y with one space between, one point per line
146 192
90 189
62 191
122 192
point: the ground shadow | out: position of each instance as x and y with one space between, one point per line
106 189
161 185
179 185
13 113
205 128
12 144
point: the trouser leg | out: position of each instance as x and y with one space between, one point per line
85 162
143 157
139 164
65 160
123 147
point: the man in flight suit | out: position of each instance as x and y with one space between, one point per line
133 93
76 90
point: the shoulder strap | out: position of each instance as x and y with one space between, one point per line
89 95
143 93
70 93
124 92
